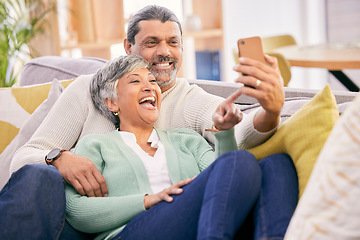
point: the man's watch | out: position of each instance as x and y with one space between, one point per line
53 155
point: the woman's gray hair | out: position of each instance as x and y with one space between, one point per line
103 84
151 12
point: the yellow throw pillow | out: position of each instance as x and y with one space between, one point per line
303 135
18 103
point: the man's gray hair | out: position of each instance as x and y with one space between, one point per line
103 84
151 12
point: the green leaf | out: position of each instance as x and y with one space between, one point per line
18 27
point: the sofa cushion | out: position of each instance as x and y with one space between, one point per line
21 102
291 105
303 135
28 127
329 207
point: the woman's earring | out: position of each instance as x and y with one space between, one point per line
115 113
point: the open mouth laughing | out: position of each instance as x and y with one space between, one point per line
149 101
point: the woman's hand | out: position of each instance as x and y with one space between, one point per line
227 115
164 195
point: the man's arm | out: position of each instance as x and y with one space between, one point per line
189 106
61 129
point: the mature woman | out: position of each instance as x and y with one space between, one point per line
163 184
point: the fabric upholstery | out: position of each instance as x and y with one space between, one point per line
303 135
21 103
29 124
329 207
45 69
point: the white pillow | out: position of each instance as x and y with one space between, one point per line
27 130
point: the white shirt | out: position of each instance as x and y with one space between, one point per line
156 166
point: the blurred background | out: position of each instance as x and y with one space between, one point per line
96 28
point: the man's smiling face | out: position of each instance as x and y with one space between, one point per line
161 45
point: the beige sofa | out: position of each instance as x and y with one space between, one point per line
25 107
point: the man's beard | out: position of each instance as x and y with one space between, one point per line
164 78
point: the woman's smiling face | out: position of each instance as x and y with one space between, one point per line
139 99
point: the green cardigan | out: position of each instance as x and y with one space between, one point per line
187 154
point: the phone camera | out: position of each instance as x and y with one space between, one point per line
242 42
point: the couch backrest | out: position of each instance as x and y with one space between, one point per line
45 69
224 89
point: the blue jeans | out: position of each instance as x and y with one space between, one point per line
278 197
277 201
212 206
32 204
219 200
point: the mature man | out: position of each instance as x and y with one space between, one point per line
154 33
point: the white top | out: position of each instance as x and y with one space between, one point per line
74 116
156 166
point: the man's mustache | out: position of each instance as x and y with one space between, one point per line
161 59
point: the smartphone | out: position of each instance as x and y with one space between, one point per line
251 48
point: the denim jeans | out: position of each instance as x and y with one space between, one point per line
32 204
212 206
218 201
277 201
278 197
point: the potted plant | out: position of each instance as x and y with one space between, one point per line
20 21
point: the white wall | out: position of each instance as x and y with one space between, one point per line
304 19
